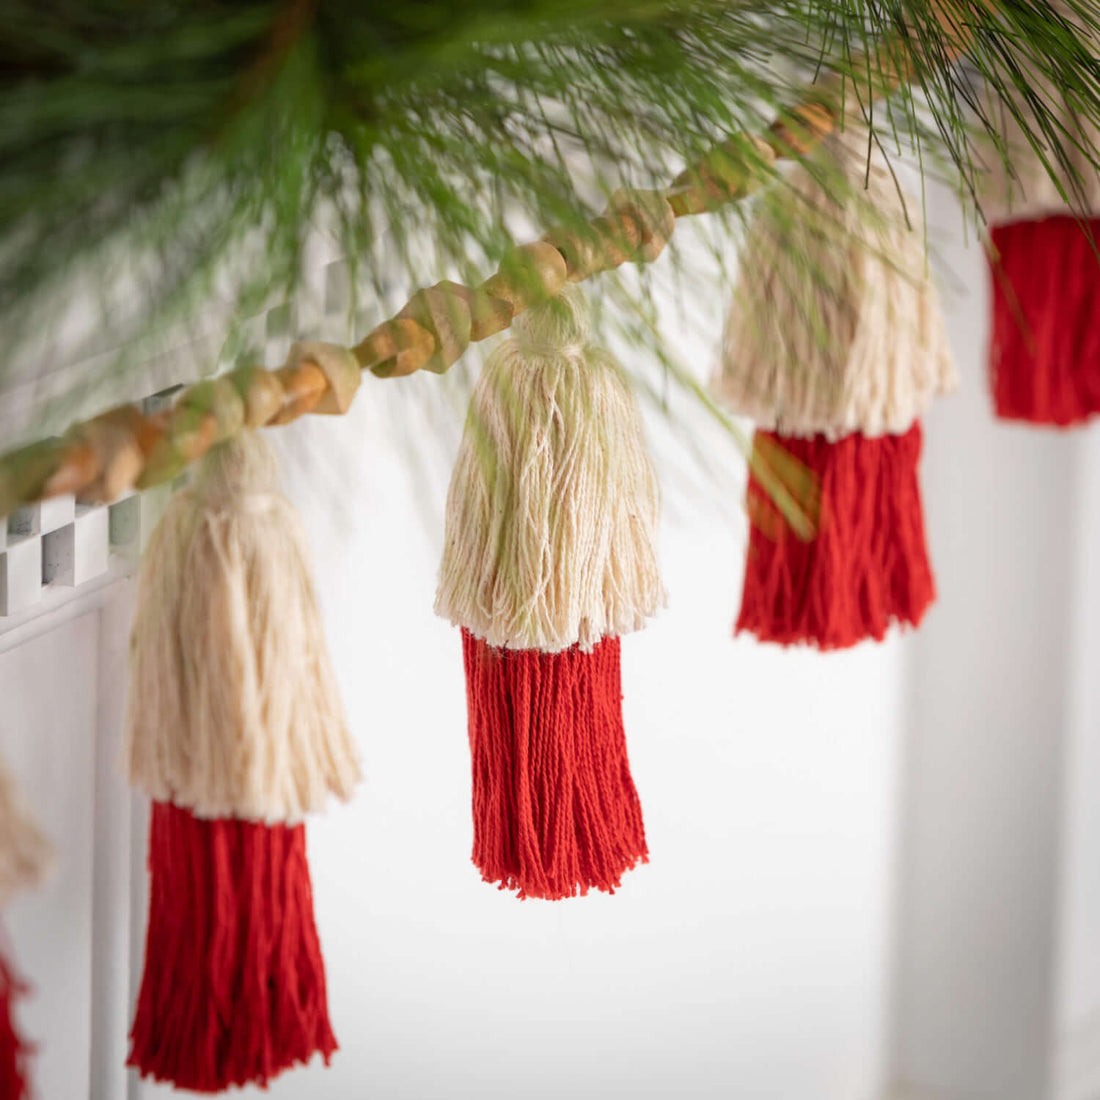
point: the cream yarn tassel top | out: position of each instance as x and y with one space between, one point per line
233 707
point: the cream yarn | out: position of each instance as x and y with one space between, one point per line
835 326
233 708
25 853
1029 192
552 513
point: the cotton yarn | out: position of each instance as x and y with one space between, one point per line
835 325
1032 190
551 523
25 852
234 710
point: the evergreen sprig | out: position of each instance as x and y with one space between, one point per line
178 153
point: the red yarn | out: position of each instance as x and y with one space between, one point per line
1045 348
15 1052
555 809
868 564
234 984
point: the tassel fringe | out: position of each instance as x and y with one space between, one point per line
555 809
15 1052
234 985
868 565
228 643
1045 347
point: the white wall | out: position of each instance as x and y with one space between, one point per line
986 723
1077 1063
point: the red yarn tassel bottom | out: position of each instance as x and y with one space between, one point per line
1045 349
868 564
234 983
15 1053
555 809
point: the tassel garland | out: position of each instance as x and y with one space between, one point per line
868 565
235 729
549 556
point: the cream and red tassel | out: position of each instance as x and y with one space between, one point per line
550 556
1044 263
236 731
25 856
835 345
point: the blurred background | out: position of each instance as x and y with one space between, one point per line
875 875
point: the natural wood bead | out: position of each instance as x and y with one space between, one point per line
25 473
443 311
799 131
219 397
75 470
395 348
488 315
303 387
620 239
579 247
340 368
529 274
207 413
121 439
190 435
606 242
653 219
729 171
261 393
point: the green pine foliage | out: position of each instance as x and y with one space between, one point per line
178 150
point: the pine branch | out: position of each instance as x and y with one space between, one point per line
121 448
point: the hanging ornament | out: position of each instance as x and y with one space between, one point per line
835 345
550 556
235 730
25 856
1044 262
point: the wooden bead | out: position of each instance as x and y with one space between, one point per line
653 218
795 134
219 397
395 348
303 387
340 368
121 439
25 472
729 171
579 247
529 274
443 311
619 236
76 469
205 414
261 392
488 315
608 241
